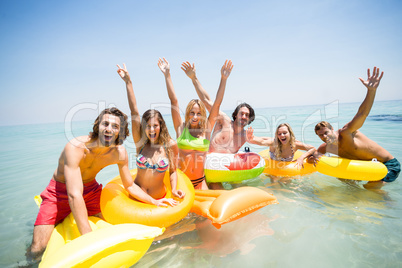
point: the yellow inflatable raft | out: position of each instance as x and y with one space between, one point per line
351 169
283 168
119 207
223 206
106 246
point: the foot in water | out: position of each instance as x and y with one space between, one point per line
374 185
28 264
32 259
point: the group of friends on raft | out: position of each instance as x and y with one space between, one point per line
73 187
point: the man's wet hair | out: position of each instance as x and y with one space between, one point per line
241 105
123 124
322 124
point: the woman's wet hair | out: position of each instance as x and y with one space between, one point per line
164 136
251 110
123 124
203 110
278 143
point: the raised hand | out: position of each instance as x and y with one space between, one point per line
250 134
164 66
372 81
226 69
123 73
188 69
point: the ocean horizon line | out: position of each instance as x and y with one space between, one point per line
168 114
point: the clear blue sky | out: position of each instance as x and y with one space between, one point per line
61 56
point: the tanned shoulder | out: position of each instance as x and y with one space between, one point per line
122 154
322 148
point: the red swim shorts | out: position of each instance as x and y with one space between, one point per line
55 207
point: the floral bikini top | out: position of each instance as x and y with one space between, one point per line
161 166
287 159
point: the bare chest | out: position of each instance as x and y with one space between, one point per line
227 141
91 164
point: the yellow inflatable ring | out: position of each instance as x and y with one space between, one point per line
223 206
232 167
351 169
283 168
119 207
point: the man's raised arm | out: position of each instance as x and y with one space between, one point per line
371 84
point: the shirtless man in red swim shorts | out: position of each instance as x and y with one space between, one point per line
73 187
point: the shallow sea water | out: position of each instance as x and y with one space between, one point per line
319 221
